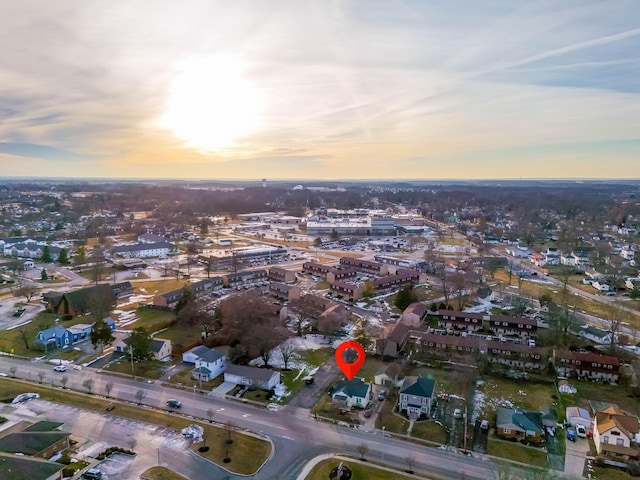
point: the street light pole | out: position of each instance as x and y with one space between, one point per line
382 452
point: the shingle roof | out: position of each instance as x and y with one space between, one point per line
352 388
250 372
43 426
211 356
14 467
30 443
422 387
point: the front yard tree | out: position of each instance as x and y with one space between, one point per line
43 274
562 319
101 334
41 376
411 460
287 350
46 254
210 414
23 335
81 256
140 344
63 257
63 381
108 387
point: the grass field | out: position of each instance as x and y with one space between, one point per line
146 368
161 473
428 430
153 287
151 319
516 452
248 453
322 470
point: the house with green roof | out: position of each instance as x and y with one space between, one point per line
416 395
522 425
35 444
81 301
352 393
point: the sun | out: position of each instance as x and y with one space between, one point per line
211 104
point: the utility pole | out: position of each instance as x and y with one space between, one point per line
382 451
133 373
465 429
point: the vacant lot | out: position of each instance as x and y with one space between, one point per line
152 320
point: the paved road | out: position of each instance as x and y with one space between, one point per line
296 437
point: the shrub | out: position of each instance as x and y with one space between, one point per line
68 472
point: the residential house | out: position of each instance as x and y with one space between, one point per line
538 260
151 238
54 337
352 393
586 366
261 378
278 274
168 300
416 395
519 251
627 252
387 375
600 286
461 321
416 276
161 348
284 291
615 433
209 365
414 314
393 341
485 294
190 356
522 425
596 335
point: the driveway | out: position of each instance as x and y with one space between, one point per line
576 454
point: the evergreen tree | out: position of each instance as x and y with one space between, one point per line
405 297
63 258
101 334
140 344
43 274
46 254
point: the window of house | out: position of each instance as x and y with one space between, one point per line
605 439
506 430
615 432
519 325
620 442
577 362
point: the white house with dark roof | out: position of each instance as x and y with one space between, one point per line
262 378
209 365
416 394
143 250
352 393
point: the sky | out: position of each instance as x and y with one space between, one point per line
305 89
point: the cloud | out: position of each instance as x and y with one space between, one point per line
42 151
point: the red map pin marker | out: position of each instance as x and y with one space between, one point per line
351 366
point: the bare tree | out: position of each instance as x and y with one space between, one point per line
132 443
108 387
614 321
63 381
88 384
41 376
23 335
287 350
362 450
13 369
210 414
140 395
27 290
229 428
562 319
411 461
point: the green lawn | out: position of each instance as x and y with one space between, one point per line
317 357
146 368
185 379
391 421
152 320
322 470
161 473
537 394
247 453
181 336
516 452
429 430
603 393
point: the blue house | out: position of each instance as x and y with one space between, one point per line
54 337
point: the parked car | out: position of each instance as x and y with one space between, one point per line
60 368
23 397
92 474
457 413
110 407
581 430
173 403
381 396
484 424
368 413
